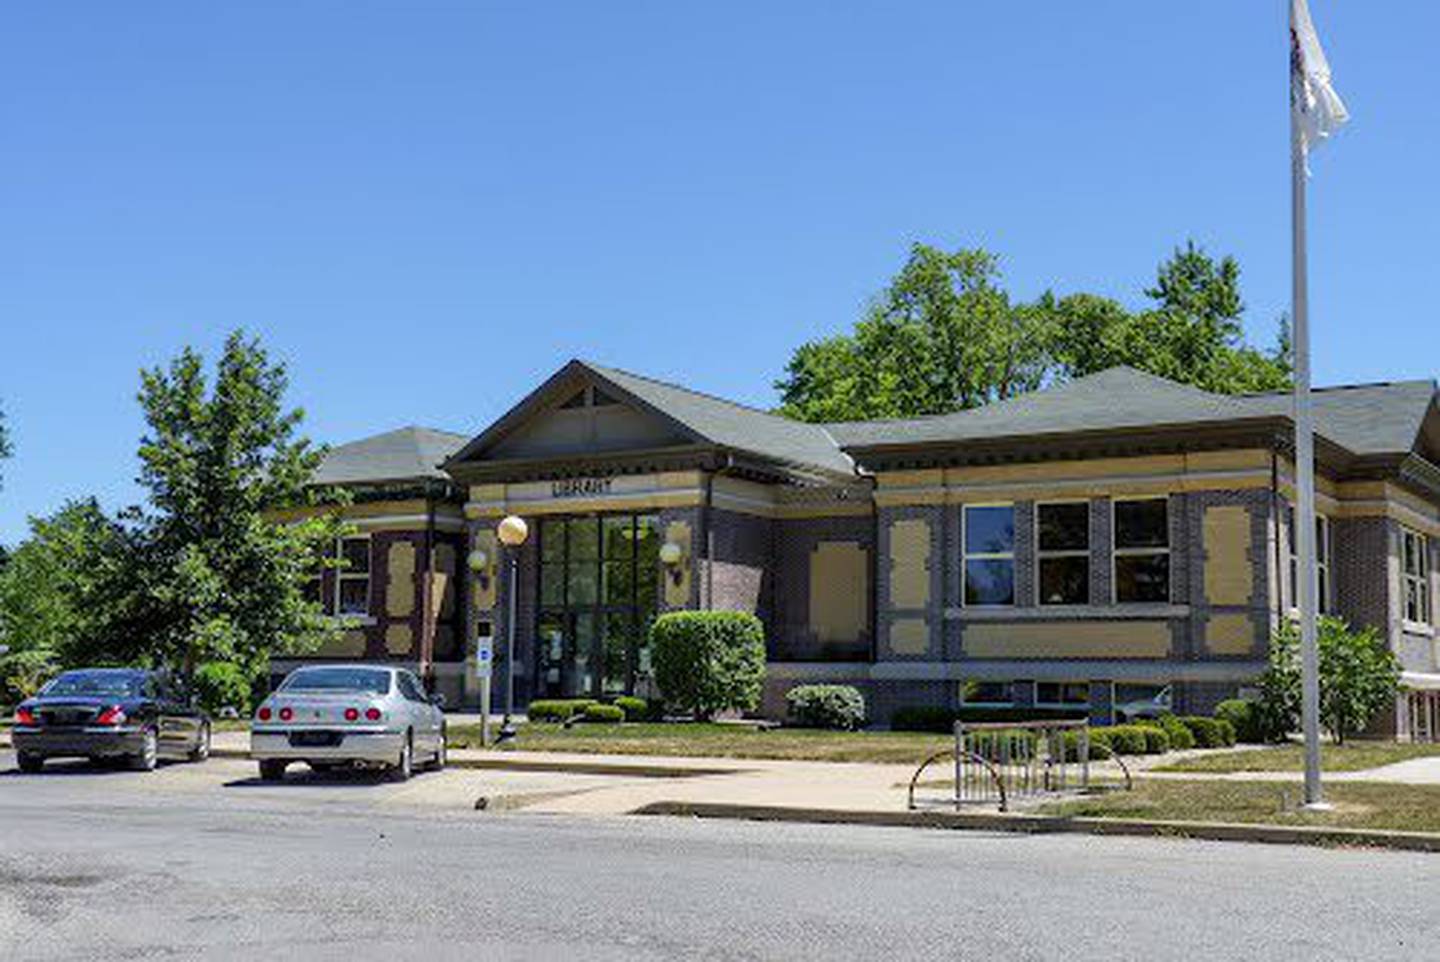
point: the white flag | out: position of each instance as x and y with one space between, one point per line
1319 111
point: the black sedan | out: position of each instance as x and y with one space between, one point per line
110 713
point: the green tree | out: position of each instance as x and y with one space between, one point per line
58 592
708 661
945 336
5 449
222 579
1359 677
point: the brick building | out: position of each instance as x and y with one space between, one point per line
1114 541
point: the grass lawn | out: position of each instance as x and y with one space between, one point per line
1411 808
1350 757
717 741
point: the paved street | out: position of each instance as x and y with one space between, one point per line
201 861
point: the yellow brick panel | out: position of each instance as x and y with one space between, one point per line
909 636
399 639
1229 572
909 563
1230 635
839 590
1081 639
351 644
400 590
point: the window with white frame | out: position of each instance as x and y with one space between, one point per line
352 578
987 693
1142 551
1062 693
1415 576
1062 543
989 563
1322 560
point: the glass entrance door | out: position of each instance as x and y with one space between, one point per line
599 586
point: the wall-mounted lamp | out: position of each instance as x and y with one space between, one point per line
671 554
479 562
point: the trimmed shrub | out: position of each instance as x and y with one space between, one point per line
221 684
1210 732
605 714
709 661
557 709
635 709
1099 745
1128 739
839 707
1244 716
1175 730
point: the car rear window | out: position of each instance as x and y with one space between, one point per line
372 680
110 683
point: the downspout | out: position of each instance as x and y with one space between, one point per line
707 530
1281 572
427 600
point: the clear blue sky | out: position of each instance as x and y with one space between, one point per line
426 207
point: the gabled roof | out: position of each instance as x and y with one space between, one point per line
706 420
407 454
1364 420
1118 398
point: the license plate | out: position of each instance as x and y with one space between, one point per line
315 739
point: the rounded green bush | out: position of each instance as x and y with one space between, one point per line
840 707
557 709
1210 732
1244 716
220 685
1128 739
709 661
635 709
605 714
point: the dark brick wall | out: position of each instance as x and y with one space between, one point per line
942 554
740 576
794 542
1362 549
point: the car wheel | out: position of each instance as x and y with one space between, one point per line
201 751
441 754
148 757
272 770
405 767
30 763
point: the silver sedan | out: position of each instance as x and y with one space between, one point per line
334 716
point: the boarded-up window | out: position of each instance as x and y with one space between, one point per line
839 591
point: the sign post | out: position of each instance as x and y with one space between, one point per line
484 663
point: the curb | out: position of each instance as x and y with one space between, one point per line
1049 824
636 770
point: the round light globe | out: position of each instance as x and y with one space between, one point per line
477 560
513 531
670 553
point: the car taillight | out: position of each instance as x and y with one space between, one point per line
264 713
24 716
373 714
352 714
111 716
286 714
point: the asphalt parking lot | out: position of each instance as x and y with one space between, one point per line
207 862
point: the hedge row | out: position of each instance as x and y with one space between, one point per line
624 708
839 707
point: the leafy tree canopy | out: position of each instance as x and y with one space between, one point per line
223 581
945 336
5 449
1359 677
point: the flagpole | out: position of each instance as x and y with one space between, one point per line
1306 580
